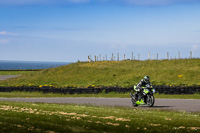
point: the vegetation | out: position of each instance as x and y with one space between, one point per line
114 73
111 94
51 118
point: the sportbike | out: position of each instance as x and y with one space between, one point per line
146 94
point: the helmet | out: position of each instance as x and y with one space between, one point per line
146 78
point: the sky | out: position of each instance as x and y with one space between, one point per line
70 30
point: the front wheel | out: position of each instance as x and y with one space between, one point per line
133 100
134 103
150 100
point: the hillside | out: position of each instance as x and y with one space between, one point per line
113 73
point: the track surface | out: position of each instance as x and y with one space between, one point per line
189 105
4 77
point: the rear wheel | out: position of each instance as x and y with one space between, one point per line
150 100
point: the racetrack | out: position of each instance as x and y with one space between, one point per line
188 105
5 77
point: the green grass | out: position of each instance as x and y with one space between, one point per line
113 73
18 117
112 94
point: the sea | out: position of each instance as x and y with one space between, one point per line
26 65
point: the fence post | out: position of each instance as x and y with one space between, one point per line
112 57
157 56
138 56
190 54
132 56
167 55
149 55
95 58
117 56
99 57
106 57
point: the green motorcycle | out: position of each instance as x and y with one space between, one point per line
147 96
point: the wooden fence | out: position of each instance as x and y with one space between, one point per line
117 57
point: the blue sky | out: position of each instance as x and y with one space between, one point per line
70 30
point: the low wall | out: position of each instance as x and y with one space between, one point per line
47 89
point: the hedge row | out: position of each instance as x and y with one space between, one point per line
178 89
47 89
69 90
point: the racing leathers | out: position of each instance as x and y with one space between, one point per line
140 86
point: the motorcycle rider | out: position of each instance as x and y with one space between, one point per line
143 83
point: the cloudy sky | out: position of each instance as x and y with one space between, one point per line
70 30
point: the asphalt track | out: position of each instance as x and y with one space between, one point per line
4 77
188 105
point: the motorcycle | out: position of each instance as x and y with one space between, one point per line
147 97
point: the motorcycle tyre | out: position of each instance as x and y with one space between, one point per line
152 100
133 102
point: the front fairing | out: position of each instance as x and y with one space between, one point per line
141 102
146 91
149 90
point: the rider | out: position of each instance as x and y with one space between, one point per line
143 83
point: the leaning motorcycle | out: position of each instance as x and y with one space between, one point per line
147 98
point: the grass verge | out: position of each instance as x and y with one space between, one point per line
36 117
111 94
114 73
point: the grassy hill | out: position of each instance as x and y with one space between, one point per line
113 73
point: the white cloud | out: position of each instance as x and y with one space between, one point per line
77 1
2 32
39 2
8 33
157 2
4 41
195 47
